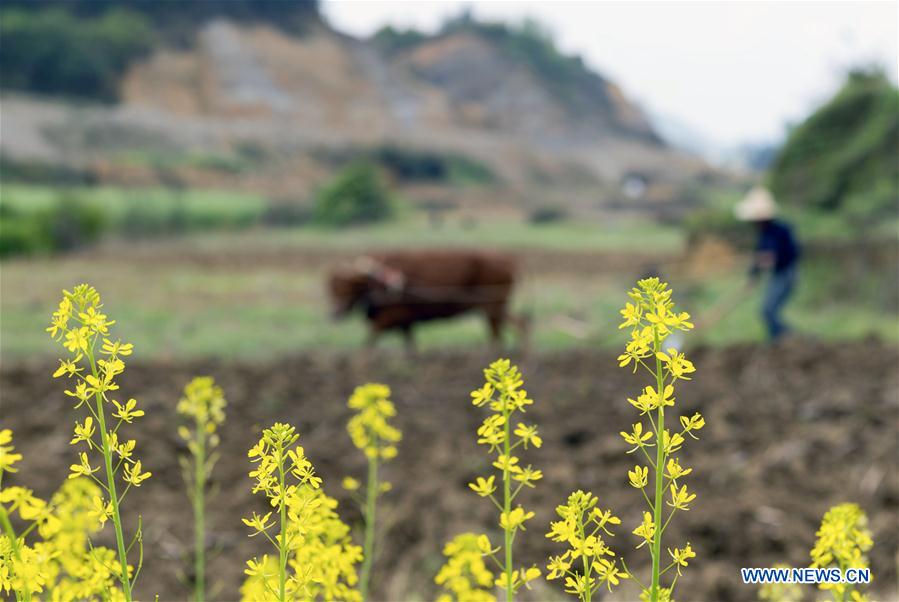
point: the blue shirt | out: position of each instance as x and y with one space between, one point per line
777 238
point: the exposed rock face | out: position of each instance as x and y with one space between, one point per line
460 80
294 96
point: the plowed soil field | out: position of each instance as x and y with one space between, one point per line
791 430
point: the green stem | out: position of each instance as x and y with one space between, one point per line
660 463
110 484
14 544
200 515
588 593
371 498
507 501
844 596
282 542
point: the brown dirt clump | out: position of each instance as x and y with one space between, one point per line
790 431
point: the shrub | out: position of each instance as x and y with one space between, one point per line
462 171
21 234
412 165
68 224
547 214
391 41
40 172
72 223
357 195
284 213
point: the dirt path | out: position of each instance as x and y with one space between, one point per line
791 431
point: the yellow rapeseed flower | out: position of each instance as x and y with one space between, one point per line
680 498
584 565
7 456
83 468
465 576
134 475
79 325
639 476
514 519
680 556
503 394
646 529
483 487
843 541
370 428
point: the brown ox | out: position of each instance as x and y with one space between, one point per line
397 290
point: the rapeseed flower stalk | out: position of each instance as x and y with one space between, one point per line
61 564
780 592
203 405
503 394
93 362
589 563
465 576
371 431
842 542
316 557
652 317
21 570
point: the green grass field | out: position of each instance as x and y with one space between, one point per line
219 208
117 203
257 292
621 236
191 308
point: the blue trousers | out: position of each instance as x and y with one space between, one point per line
780 287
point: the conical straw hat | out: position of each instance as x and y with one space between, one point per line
756 206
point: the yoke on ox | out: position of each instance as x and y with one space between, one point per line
397 290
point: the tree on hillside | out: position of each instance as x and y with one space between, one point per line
83 47
845 156
357 195
52 52
172 13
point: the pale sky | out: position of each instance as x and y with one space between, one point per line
734 71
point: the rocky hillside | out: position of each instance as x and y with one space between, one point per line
254 106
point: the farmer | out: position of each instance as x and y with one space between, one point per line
776 251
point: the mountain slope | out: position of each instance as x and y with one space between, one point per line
546 126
